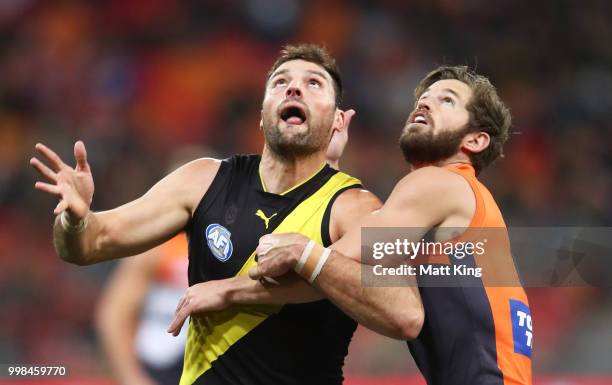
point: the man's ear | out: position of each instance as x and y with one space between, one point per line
338 124
476 142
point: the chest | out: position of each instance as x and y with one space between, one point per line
223 238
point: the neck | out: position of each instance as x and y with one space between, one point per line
281 174
457 158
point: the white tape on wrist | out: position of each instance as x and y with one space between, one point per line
70 228
320 265
304 257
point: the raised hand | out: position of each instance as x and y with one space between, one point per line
73 186
338 140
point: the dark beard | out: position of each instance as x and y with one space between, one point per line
298 146
426 148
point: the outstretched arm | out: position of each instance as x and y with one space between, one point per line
83 237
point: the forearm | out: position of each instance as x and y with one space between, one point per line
291 289
118 233
396 312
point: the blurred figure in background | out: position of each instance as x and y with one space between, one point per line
133 311
139 301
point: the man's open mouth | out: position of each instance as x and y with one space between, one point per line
293 113
420 117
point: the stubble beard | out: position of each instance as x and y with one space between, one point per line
296 145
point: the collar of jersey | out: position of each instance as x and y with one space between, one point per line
298 185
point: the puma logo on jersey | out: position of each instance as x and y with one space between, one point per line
266 220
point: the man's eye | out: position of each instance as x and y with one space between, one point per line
314 82
449 100
279 82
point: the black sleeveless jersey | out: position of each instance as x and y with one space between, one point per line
262 344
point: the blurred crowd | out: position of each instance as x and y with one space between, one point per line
141 80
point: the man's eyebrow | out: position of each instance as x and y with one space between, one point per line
312 72
445 90
279 72
452 92
319 73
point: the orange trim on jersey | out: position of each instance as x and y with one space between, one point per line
498 266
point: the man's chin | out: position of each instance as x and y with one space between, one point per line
417 154
292 149
418 131
287 128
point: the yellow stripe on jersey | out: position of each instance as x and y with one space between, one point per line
211 336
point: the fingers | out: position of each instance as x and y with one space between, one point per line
178 321
44 170
51 156
180 304
266 243
61 207
48 188
180 315
262 249
80 154
254 273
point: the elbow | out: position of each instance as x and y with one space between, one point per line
410 324
67 254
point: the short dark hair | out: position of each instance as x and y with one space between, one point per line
314 54
487 111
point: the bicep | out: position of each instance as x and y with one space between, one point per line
350 209
419 202
159 214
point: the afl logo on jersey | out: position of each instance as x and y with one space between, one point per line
219 242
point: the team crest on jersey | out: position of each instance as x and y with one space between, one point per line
522 327
219 242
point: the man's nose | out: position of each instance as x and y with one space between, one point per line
293 92
424 104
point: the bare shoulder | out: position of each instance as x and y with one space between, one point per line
356 199
200 168
429 196
191 181
429 185
349 208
